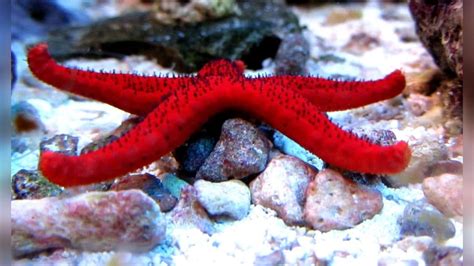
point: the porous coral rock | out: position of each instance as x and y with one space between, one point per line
439 24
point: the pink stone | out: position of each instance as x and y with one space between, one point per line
333 202
281 187
242 150
445 193
94 221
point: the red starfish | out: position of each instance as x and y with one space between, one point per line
176 107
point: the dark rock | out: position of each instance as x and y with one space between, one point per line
292 55
437 255
62 143
31 185
439 24
33 18
242 150
151 185
194 152
251 36
420 219
25 118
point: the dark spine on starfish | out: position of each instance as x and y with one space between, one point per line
132 93
179 115
140 94
331 95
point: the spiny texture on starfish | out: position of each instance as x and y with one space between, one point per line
141 94
184 104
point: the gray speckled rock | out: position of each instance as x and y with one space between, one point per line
224 199
292 55
333 202
281 187
95 221
445 193
31 185
421 219
242 150
63 143
441 255
149 184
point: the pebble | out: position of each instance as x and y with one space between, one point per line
441 255
224 199
420 219
63 143
426 152
194 152
94 221
361 42
292 55
173 184
28 184
333 202
397 253
193 11
149 184
342 15
456 148
445 167
419 104
445 192
281 187
242 150
25 118
190 213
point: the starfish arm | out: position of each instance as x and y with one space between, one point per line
132 93
331 95
179 115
